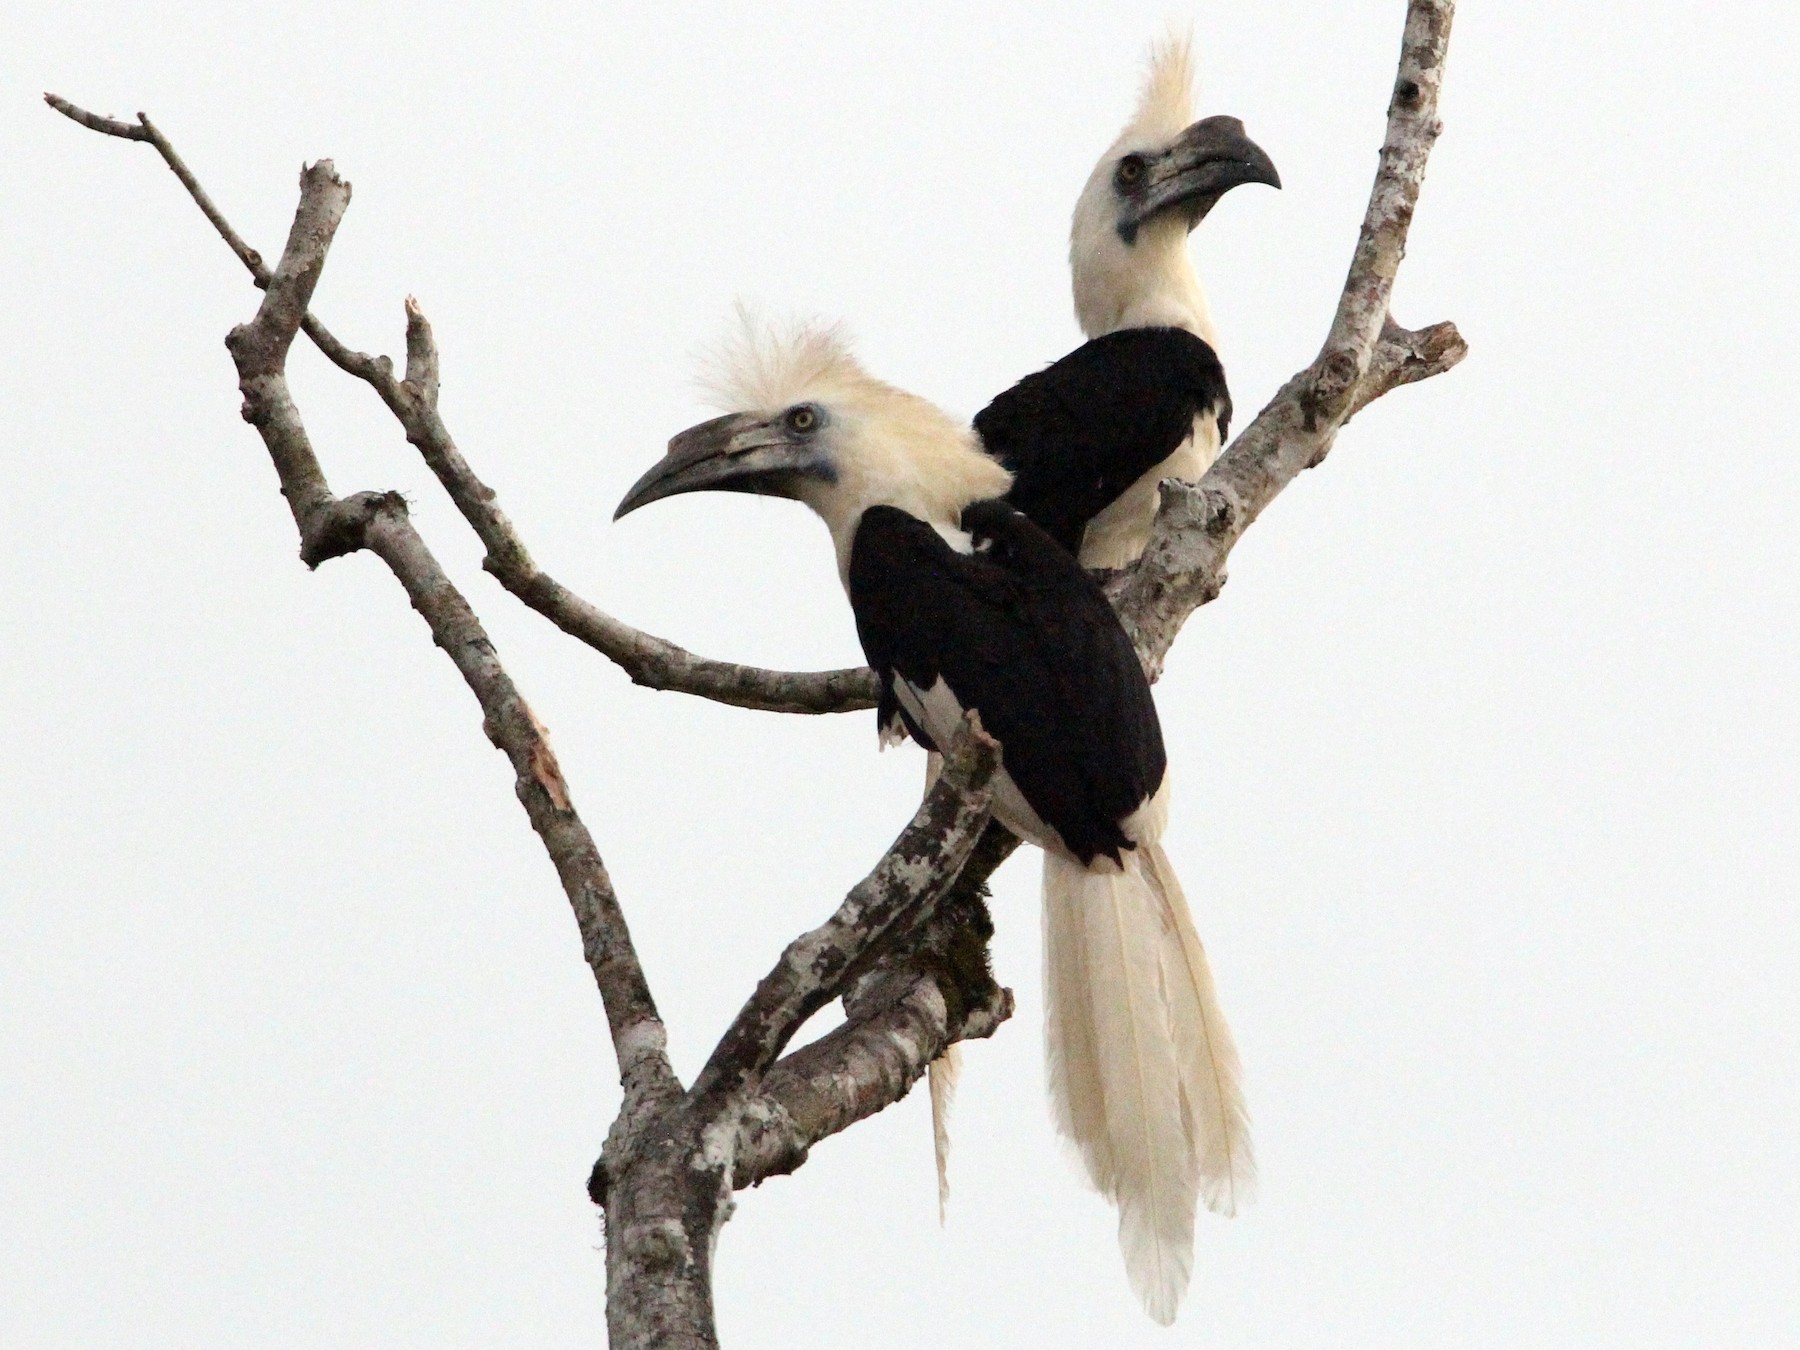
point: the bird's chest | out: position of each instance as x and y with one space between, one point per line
1117 535
938 713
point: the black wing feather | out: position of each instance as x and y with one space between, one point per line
1023 635
1080 432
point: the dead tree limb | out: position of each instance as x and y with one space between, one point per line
666 1177
650 661
934 990
816 966
921 996
331 526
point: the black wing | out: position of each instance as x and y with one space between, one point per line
1022 634
1080 432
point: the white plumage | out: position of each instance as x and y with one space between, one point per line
941 1076
1143 1075
1144 1078
911 454
1118 536
1150 282
1210 1074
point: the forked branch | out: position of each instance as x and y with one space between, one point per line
330 526
817 967
650 661
1365 355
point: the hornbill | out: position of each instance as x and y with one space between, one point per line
1091 436
961 602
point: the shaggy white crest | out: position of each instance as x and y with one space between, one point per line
761 366
1166 107
1151 281
887 447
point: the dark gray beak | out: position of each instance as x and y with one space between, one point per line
734 453
1205 162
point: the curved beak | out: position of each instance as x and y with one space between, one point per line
1205 162
735 453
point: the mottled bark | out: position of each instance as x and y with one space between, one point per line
906 950
665 1180
330 526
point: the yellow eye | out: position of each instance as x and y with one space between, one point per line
1130 171
803 418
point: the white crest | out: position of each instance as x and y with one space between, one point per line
1166 107
763 366
887 446
1151 281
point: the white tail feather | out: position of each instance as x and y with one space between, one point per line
1143 1076
1211 1079
1071 1040
943 1072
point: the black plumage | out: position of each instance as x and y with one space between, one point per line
1019 632
1080 432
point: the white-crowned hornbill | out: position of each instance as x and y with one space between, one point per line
961 602
1089 437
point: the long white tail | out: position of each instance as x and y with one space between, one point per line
1143 1072
943 1072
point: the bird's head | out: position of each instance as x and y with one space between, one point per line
1128 242
806 421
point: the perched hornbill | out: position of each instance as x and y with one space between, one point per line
1089 437
961 602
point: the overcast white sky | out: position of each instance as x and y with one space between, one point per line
1486 758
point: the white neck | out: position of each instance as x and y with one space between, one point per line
931 479
1149 284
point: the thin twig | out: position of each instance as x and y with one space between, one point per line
650 661
106 126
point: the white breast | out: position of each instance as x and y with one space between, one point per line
1117 536
938 711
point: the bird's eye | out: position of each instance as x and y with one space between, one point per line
1130 171
803 418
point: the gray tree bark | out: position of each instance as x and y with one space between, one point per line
906 950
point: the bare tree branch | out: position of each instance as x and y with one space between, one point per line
1404 357
675 1150
1364 356
849 1074
898 894
330 526
650 661
665 1177
106 126
923 994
